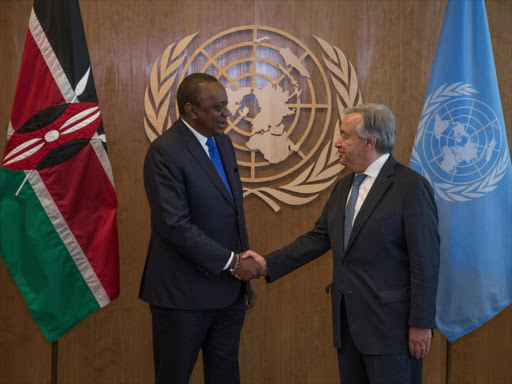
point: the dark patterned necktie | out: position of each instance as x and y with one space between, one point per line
217 162
351 207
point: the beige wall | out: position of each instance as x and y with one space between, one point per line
287 337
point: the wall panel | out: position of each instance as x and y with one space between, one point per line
287 338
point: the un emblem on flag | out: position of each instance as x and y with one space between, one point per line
459 145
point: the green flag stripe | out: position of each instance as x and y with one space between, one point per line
44 271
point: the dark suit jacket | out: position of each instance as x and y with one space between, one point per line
195 224
388 273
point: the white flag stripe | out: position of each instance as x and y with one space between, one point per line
79 116
68 239
97 145
24 155
22 147
49 57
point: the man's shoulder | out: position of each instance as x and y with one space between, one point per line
410 178
404 170
171 137
170 147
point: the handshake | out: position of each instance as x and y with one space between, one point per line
248 265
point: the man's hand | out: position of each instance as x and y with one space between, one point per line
259 259
249 268
419 341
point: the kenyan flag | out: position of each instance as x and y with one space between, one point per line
58 230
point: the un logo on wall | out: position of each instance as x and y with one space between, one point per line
459 144
280 105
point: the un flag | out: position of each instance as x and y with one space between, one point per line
461 148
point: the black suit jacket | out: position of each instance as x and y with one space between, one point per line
388 273
195 223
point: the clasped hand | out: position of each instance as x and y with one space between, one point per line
251 266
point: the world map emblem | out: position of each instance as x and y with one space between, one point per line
280 106
459 145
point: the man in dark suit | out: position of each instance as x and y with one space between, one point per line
197 230
381 224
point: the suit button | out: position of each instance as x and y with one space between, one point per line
345 263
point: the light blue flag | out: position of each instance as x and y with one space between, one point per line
461 148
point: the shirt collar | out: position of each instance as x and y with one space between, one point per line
374 169
202 139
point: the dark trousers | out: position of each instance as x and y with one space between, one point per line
179 334
358 368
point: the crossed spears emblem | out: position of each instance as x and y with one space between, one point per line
53 135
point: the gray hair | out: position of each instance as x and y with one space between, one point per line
378 121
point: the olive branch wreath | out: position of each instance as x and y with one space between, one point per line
447 191
157 98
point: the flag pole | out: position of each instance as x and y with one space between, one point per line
55 355
448 367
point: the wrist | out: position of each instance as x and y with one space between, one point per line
234 265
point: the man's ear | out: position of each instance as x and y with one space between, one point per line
190 110
370 142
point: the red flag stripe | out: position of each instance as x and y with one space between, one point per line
28 100
87 200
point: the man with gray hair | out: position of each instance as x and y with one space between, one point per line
381 224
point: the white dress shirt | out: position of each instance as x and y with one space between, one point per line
202 140
371 174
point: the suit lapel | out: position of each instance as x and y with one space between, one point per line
378 189
204 161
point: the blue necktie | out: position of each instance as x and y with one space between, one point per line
351 207
217 162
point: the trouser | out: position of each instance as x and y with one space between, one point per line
358 368
178 335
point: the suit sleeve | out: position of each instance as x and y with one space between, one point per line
304 249
165 188
423 248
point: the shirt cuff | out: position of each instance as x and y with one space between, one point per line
229 261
